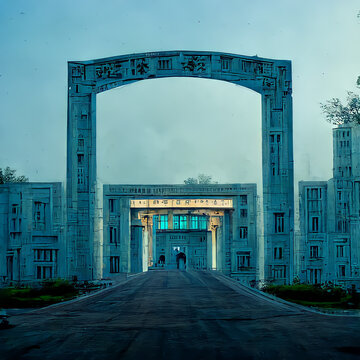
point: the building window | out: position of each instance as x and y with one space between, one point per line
45 255
183 222
111 205
278 253
242 260
279 222
176 222
339 195
243 232
342 226
314 193
194 222
243 200
163 223
342 271
243 213
80 144
315 276
202 223
39 215
15 209
314 252
315 224
279 271
44 272
114 264
9 266
81 176
80 158
113 235
339 251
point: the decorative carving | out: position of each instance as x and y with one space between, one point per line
268 83
194 64
142 67
110 70
78 72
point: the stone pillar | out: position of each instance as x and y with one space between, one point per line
209 250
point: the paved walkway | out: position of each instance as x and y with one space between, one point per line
179 315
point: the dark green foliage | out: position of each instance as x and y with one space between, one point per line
310 293
336 113
7 175
201 179
49 293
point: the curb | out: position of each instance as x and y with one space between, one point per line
234 284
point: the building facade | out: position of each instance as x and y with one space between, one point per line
32 232
330 216
198 227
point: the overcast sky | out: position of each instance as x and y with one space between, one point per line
165 130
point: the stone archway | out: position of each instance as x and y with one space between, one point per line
270 78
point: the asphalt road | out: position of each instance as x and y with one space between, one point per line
179 315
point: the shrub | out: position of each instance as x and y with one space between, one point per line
306 292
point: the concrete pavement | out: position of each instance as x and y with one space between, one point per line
179 315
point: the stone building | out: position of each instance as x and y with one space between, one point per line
143 227
173 226
32 232
330 216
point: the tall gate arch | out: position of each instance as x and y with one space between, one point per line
270 78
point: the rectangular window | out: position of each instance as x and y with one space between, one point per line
243 213
278 253
342 271
45 255
315 276
279 222
9 267
339 251
183 222
80 158
315 224
113 235
243 199
243 232
194 222
203 223
15 209
111 205
242 260
342 226
39 215
44 272
163 223
176 222
279 271
339 195
80 144
114 264
314 252
81 176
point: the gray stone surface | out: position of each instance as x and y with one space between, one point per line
329 241
176 315
269 77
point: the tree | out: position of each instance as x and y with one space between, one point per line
7 175
201 179
336 113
